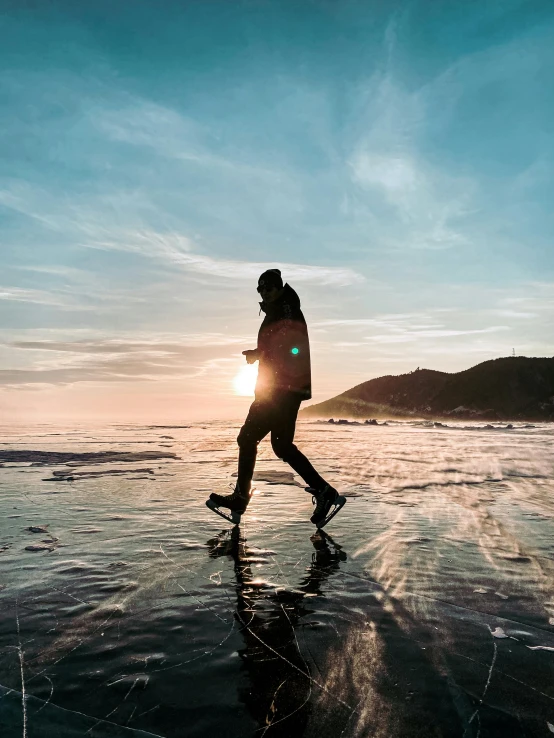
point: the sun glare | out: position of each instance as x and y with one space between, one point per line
245 381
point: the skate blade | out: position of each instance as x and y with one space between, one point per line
338 505
233 517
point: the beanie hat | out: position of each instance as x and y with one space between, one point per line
271 278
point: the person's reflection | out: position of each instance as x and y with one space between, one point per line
279 688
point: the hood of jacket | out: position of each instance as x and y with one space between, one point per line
289 298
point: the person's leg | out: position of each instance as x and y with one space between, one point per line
282 436
256 426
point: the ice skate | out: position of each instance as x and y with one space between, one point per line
236 503
328 502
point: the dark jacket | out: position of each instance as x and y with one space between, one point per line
284 349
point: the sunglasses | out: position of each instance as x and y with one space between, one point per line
265 288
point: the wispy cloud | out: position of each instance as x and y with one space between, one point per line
386 162
418 194
90 227
81 292
403 328
119 346
517 314
390 320
416 335
142 123
38 297
177 250
108 360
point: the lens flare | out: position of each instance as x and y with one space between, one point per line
245 380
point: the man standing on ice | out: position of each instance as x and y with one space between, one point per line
284 381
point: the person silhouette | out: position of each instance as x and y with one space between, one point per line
284 381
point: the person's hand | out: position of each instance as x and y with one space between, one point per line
251 355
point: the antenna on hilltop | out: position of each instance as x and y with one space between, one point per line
513 352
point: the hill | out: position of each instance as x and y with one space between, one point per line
511 388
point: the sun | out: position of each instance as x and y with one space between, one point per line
245 380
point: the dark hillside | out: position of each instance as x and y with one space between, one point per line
512 387
500 389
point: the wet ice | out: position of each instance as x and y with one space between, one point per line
426 609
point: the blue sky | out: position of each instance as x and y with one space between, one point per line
395 160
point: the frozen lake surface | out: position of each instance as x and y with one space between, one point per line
132 610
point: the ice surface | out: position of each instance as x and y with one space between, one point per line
426 609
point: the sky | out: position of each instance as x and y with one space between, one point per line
394 159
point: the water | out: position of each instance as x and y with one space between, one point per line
427 610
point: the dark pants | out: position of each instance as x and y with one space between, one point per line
278 417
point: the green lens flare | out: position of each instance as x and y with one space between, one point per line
294 351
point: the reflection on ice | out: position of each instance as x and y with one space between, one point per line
280 680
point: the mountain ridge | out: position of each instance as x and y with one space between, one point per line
508 388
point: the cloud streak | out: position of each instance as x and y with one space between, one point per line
386 163
72 362
177 250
